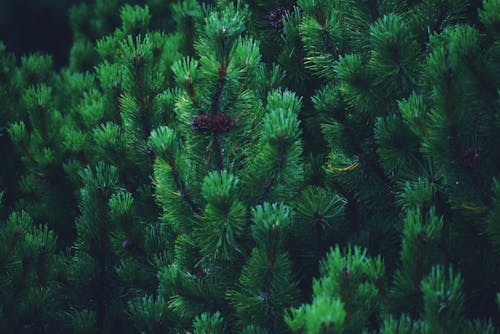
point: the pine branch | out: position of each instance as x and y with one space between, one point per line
374 9
351 206
101 284
183 189
375 167
214 109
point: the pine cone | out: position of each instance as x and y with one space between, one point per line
223 123
276 16
469 157
151 154
202 123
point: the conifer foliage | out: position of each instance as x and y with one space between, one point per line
255 167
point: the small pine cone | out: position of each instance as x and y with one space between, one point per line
264 296
346 272
276 16
199 273
469 157
151 154
137 61
128 244
202 123
223 123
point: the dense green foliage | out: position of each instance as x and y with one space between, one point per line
309 166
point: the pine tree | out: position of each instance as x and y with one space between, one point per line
8 106
31 272
255 167
408 108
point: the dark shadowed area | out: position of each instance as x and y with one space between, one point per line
36 26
